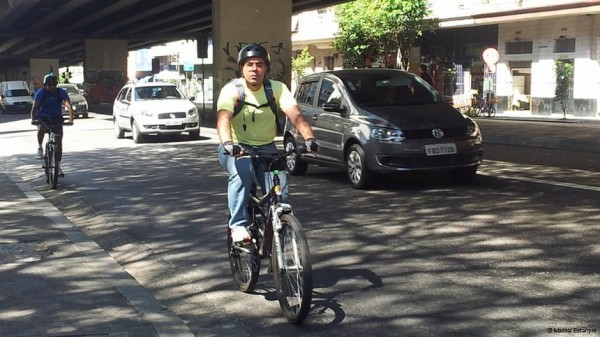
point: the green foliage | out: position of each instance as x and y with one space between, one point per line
300 62
375 28
564 82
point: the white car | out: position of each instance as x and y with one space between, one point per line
154 108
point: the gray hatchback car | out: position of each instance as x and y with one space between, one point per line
370 121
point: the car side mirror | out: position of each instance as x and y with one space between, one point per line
192 98
333 107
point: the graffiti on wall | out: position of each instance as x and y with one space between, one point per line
231 50
102 86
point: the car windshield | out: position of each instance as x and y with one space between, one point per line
157 92
389 89
16 93
71 90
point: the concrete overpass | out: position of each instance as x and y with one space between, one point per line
57 29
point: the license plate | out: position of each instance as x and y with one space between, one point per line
173 122
440 149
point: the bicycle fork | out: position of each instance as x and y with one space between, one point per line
276 211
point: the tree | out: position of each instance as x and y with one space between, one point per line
564 82
373 29
300 62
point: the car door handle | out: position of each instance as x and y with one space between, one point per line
315 117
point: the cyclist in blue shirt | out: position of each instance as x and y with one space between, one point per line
47 106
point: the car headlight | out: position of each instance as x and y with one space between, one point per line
472 129
387 135
146 113
193 111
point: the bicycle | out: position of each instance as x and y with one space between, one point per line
481 107
487 108
276 235
50 156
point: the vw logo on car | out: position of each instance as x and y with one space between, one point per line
437 133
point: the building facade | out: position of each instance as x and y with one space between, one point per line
529 36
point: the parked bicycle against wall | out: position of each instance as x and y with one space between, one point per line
277 236
482 107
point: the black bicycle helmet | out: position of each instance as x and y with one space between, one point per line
254 50
50 79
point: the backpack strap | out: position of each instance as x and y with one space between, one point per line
239 103
44 98
272 104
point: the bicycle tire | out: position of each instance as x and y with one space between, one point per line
491 111
293 281
245 265
53 165
46 165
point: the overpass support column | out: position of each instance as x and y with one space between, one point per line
237 23
105 69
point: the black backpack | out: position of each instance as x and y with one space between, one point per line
271 102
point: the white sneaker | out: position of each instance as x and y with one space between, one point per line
239 234
40 153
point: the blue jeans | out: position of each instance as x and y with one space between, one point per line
242 173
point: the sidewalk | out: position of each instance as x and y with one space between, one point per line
55 281
554 132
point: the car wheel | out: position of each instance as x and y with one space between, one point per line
293 163
463 174
119 133
194 135
356 168
137 135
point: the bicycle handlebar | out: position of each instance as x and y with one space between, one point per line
256 153
46 123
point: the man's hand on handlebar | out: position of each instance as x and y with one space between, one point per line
312 145
233 150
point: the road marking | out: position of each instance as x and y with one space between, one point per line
536 180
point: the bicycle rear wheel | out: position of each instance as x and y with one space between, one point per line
293 279
490 111
52 167
245 264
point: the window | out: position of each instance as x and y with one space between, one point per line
328 62
306 92
519 47
473 49
329 93
437 52
564 45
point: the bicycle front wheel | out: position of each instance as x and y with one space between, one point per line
245 264
293 279
491 111
46 166
52 166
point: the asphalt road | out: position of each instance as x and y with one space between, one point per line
512 254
